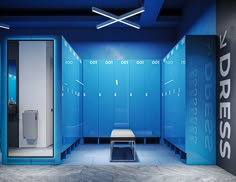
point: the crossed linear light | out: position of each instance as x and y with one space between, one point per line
5 26
115 18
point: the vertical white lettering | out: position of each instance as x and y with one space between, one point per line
225 109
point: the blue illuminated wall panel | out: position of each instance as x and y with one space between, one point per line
71 95
106 97
90 98
188 98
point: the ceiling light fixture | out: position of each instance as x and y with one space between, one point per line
115 18
4 26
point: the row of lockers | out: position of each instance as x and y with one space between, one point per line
121 94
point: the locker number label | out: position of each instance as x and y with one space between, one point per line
124 62
93 62
155 62
68 62
169 62
108 62
139 62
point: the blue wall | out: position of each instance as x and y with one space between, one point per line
200 18
108 43
121 50
120 44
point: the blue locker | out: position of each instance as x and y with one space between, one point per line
121 94
180 82
81 99
137 94
106 97
70 98
1 99
90 98
174 95
189 112
200 99
77 96
152 98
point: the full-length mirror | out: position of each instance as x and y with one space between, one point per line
30 98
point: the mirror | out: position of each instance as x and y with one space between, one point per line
30 98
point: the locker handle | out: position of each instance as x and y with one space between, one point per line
79 82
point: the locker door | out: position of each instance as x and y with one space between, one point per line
90 98
179 99
75 100
121 94
137 94
80 95
70 120
152 98
170 91
106 96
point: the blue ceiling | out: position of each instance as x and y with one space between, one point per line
77 13
79 4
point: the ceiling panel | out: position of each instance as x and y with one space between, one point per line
74 4
77 13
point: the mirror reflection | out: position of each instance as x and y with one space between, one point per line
30 98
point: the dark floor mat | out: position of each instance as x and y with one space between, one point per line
122 154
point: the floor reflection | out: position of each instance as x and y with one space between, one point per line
31 151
